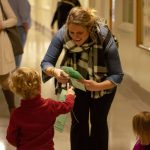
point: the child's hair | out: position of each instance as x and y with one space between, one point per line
141 124
25 82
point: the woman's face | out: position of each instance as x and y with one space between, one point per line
78 33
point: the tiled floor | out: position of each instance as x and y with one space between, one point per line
130 99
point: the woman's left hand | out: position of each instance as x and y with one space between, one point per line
90 85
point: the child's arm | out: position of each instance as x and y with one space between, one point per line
67 105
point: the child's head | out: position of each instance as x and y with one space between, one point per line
141 127
25 82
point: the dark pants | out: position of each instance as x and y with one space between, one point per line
23 37
94 137
9 96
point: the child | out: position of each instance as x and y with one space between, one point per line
31 126
141 127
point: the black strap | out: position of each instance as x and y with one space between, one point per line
107 39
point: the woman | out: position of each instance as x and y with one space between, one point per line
83 40
7 61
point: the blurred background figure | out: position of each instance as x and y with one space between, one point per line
7 61
22 10
62 11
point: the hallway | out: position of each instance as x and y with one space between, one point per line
127 101
130 99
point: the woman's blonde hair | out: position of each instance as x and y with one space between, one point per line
82 16
25 82
141 124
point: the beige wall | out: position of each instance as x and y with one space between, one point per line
135 60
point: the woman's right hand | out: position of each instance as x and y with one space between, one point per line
61 76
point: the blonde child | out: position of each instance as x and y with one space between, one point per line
31 125
141 128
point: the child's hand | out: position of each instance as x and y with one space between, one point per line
70 90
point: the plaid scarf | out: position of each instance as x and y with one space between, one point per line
88 59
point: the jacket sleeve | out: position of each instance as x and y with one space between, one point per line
53 52
115 73
60 107
11 18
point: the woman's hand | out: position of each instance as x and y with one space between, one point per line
61 76
91 85
25 26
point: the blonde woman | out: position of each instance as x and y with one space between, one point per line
83 40
141 128
7 61
31 126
